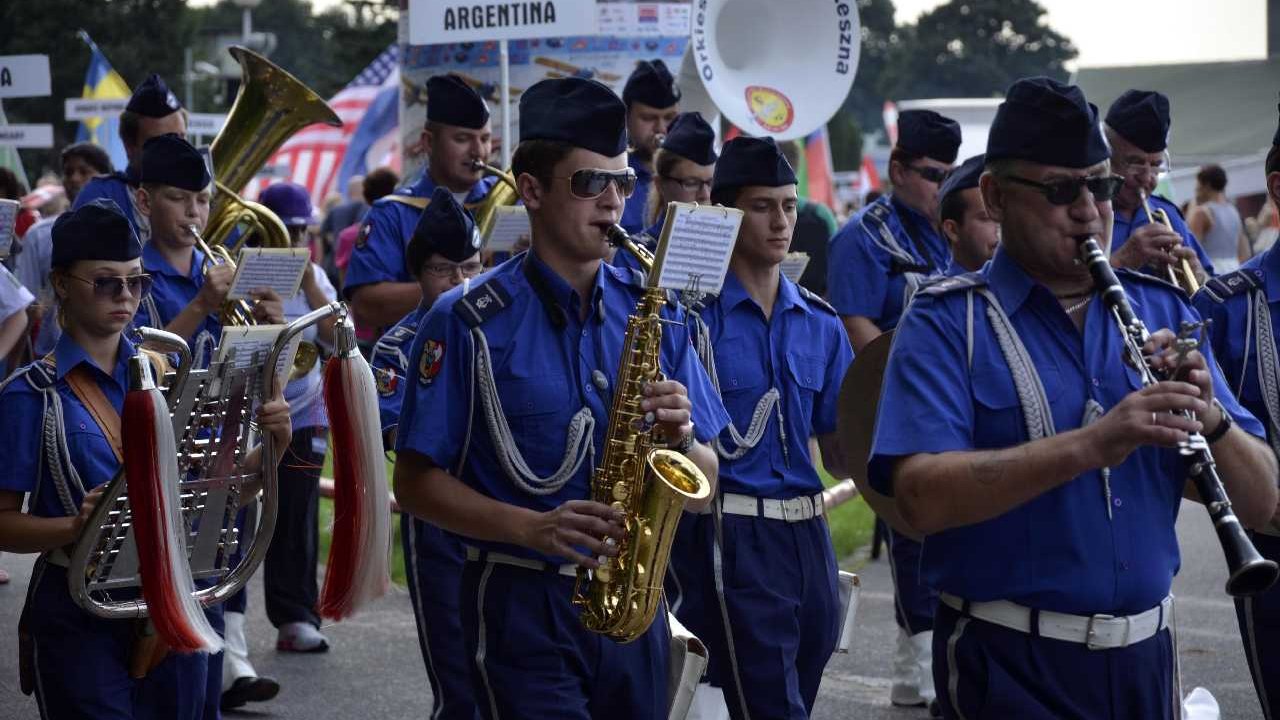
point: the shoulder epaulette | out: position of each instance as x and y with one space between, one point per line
1220 288
879 212
953 283
40 374
482 303
815 299
420 203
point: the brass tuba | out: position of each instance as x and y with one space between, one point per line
502 193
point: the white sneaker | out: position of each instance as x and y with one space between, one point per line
905 691
301 637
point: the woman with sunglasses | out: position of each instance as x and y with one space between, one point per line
77 664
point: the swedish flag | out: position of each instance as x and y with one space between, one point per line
101 82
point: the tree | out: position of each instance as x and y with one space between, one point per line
845 136
879 37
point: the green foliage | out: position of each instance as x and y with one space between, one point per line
845 135
879 37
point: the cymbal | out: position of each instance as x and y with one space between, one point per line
856 424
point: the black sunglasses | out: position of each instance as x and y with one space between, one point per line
109 287
1066 190
928 172
589 184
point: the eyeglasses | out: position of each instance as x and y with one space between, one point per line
1139 167
589 184
689 184
448 269
110 286
928 172
1065 191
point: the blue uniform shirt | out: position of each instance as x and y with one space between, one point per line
803 351
545 362
391 367
1059 551
636 210
624 259
115 187
171 292
1124 226
863 276
388 226
23 469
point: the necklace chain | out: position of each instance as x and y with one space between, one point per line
1079 306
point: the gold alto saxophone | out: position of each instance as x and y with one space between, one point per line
649 484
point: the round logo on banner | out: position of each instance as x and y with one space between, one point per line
770 108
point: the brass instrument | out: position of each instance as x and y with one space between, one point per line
1184 277
648 484
501 194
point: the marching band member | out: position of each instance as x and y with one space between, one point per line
1137 127
876 262
505 461
78 664
443 253
456 136
1242 310
1044 476
652 98
970 231
760 591
153 110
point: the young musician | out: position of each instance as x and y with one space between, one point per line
80 663
652 99
1044 476
510 470
970 231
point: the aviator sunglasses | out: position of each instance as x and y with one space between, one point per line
589 184
109 287
1066 190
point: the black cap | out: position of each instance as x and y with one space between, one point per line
153 98
450 100
171 160
691 138
925 132
97 230
1142 118
445 227
651 83
752 161
962 178
1045 121
581 112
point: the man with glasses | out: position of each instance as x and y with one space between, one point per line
1137 128
1045 478
506 410
443 253
652 99
876 262
456 138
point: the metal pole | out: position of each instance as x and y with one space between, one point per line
188 82
505 60
246 26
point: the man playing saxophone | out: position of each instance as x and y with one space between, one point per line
505 417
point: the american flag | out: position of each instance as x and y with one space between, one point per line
314 154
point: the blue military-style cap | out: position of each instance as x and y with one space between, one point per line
97 230
581 112
1047 122
925 132
652 84
962 178
445 228
450 100
752 161
691 138
153 98
290 202
171 160
1142 118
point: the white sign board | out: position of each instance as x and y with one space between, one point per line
24 76
205 123
435 22
85 108
27 136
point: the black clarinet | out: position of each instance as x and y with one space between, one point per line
1248 572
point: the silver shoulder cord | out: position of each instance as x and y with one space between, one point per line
770 401
53 448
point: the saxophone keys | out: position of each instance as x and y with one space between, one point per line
620 493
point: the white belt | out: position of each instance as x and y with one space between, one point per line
497 558
797 509
1097 632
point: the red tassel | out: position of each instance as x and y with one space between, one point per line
347 513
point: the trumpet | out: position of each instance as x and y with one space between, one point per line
1184 277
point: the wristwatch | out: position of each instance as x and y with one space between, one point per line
1223 425
684 445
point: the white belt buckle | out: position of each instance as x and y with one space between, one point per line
1091 632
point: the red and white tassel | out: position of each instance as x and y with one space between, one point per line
151 472
358 570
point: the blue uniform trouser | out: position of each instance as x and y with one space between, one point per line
983 670
433 565
531 657
914 603
289 587
764 601
82 664
1260 630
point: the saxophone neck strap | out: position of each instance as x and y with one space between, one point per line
103 412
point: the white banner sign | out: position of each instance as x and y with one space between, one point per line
433 22
24 76
27 136
85 108
205 123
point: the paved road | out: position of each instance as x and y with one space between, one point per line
375 671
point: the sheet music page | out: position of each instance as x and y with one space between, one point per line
699 242
8 225
277 268
510 223
253 343
793 265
